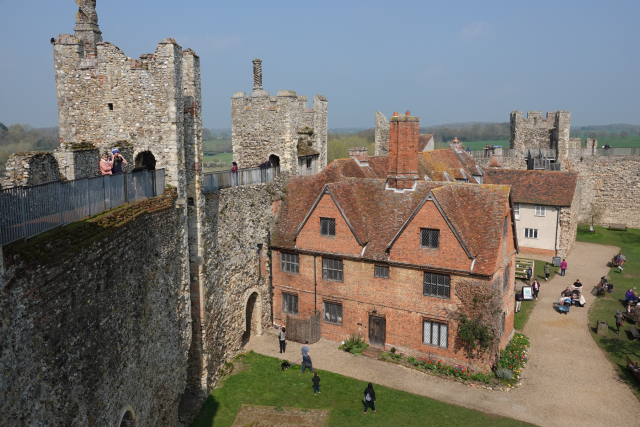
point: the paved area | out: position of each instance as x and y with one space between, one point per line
567 382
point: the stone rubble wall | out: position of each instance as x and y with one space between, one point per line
32 168
535 131
382 135
515 163
569 220
90 321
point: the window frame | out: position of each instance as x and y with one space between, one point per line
529 231
309 163
292 296
433 322
505 227
516 211
505 279
446 285
376 270
324 311
430 238
326 268
295 263
540 210
328 221
503 323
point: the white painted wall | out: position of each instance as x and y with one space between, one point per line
546 226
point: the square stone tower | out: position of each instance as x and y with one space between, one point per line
280 128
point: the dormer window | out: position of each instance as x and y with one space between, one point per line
327 227
429 238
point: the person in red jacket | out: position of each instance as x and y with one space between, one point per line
563 267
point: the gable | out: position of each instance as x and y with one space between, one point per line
309 238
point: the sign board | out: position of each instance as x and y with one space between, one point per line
527 293
556 261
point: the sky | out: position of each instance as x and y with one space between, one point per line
445 61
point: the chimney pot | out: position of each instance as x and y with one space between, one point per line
408 113
395 114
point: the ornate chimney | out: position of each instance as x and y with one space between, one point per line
257 74
87 29
403 151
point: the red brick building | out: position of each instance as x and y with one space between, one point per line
397 260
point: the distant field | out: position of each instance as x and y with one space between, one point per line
225 157
213 144
631 141
479 145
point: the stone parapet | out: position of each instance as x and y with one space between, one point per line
32 168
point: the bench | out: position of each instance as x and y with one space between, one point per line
634 332
622 227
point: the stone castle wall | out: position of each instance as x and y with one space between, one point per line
382 135
33 168
263 125
535 131
91 316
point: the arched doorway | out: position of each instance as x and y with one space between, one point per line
275 160
128 420
147 160
253 316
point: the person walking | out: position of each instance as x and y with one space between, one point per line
529 274
518 301
369 399
316 383
306 357
281 339
618 317
536 288
563 267
547 271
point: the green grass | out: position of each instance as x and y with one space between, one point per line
213 144
479 145
630 141
263 383
616 347
225 157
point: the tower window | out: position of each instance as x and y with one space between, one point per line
110 106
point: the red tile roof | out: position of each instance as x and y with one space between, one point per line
423 140
537 187
377 215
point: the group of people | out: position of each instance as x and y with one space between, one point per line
619 260
369 398
630 299
111 165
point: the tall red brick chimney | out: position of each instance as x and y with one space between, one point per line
403 151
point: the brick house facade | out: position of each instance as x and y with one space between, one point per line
397 261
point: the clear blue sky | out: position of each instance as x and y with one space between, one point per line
446 61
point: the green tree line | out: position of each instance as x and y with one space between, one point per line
19 138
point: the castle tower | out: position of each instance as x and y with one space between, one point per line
87 30
279 128
403 151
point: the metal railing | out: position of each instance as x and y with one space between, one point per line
549 153
617 151
214 181
28 211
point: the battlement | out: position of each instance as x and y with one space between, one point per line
538 132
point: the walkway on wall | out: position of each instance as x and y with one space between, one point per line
214 181
568 381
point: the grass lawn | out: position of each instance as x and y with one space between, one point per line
617 347
479 145
225 157
212 144
261 382
520 319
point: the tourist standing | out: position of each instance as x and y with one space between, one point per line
606 148
306 357
563 267
618 317
547 271
518 301
105 165
536 288
316 383
234 174
529 274
369 399
117 161
281 338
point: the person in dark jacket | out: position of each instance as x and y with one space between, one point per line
281 338
618 317
529 274
369 399
117 162
547 271
518 301
316 383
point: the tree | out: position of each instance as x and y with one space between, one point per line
624 135
206 134
613 135
3 127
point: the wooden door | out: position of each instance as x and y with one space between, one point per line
377 331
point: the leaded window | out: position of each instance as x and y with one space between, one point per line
290 303
381 272
327 227
429 238
505 226
289 263
505 282
437 285
332 269
434 333
332 312
503 319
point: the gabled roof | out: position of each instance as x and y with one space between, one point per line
536 187
423 140
376 215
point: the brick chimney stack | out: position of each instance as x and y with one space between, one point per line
359 154
403 151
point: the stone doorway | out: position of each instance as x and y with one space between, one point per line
146 160
128 420
275 161
253 317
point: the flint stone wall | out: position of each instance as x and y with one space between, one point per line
516 163
95 324
32 168
382 135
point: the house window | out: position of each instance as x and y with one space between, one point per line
505 226
465 180
381 272
429 238
531 233
289 263
309 163
478 178
332 269
503 322
289 303
505 281
541 210
516 210
434 333
436 285
332 312
327 227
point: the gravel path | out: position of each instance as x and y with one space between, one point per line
568 381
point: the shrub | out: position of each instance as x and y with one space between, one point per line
514 356
475 335
479 376
411 360
504 374
355 344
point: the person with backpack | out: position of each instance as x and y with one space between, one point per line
369 399
316 383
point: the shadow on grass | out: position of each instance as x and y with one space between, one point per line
620 349
207 413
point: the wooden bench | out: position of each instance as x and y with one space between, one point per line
622 227
634 332
521 267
